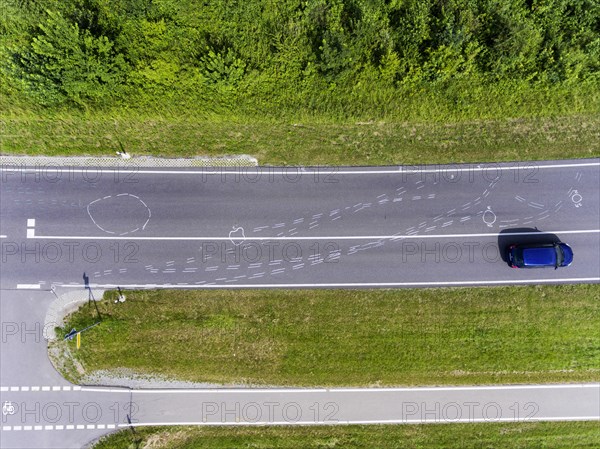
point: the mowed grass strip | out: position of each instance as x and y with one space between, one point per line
309 142
548 435
349 337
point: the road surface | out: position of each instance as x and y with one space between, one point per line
274 227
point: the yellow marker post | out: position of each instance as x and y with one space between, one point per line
78 339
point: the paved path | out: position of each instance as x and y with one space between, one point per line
272 227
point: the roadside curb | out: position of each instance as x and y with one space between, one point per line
62 306
242 160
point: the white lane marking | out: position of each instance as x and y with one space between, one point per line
3 236
36 388
316 237
29 286
337 422
435 419
345 390
60 427
267 171
30 233
348 285
31 222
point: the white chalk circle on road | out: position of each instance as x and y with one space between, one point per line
133 214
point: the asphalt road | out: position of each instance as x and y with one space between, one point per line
277 227
40 409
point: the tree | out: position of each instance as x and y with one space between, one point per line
63 63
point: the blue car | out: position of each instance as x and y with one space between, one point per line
539 255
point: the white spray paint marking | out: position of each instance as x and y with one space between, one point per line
108 231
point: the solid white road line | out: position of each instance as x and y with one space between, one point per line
438 420
341 285
331 237
345 390
322 171
358 422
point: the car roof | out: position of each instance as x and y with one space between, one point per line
539 255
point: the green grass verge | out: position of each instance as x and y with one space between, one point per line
556 435
310 142
360 337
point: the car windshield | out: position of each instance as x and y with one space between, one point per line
559 255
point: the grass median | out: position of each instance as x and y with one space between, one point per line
557 435
455 336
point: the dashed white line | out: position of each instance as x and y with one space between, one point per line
28 286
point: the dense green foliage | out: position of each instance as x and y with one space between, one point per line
337 58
